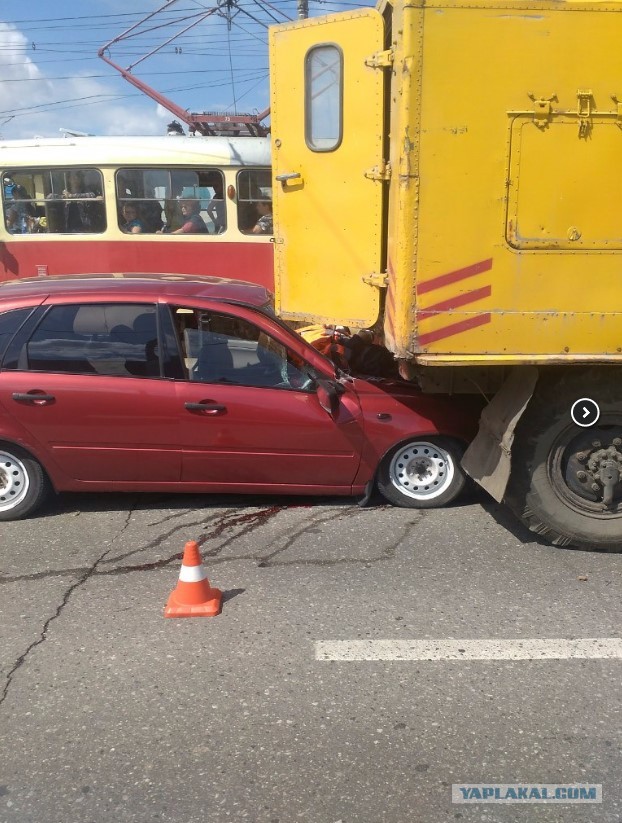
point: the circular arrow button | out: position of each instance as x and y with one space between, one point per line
585 412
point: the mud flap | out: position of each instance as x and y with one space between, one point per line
488 459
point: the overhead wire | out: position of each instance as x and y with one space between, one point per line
208 44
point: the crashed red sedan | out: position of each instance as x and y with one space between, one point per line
162 383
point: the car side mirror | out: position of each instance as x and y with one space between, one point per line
328 393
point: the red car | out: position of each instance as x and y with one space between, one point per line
167 383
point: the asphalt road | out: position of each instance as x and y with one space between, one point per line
109 712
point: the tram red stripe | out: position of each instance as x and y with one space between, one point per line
454 276
455 302
454 328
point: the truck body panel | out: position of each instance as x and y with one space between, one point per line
505 161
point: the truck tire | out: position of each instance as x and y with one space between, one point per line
422 473
23 483
554 487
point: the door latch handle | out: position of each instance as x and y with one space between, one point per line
208 408
29 397
290 175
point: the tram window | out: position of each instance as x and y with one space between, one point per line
155 193
254 196
324 98
54 201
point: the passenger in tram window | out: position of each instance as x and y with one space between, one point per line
172 216
151 213
20 216
247 216
135 186
78 215
192 223
183 183
124 192
9 187
133 224
265 223
253 186
216 208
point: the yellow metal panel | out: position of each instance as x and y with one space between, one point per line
329 234
504 242
563 184
557 334
403 228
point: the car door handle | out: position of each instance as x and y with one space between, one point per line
207 407
32 397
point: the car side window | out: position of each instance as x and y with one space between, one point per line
114 339
10 321
220 348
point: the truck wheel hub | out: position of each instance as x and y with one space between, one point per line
593 466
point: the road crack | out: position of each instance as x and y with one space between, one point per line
90 571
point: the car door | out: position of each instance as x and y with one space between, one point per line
252 418
85 388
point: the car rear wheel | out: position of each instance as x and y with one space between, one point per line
422 473
23 483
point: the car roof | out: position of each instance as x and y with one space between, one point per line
89 287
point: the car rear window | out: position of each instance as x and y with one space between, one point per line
109 339
10 322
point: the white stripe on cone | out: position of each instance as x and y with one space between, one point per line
192 574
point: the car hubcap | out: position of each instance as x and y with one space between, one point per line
13 481
422 470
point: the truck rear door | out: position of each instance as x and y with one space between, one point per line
327 136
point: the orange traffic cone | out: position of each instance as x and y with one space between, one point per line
193 596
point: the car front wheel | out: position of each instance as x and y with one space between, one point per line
23 483
422 473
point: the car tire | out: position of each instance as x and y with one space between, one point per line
24 485
422 473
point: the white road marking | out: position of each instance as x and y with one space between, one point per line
583 648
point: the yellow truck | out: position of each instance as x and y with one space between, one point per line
451 173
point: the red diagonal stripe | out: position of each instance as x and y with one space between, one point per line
454 328
455 302
454 276
389 309
391 287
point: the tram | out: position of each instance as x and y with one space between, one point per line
120 204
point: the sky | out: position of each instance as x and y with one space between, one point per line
51 78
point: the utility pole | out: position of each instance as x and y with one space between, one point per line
303 9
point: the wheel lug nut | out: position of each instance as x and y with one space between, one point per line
617 441
595 487
597 444
582 475
581 457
